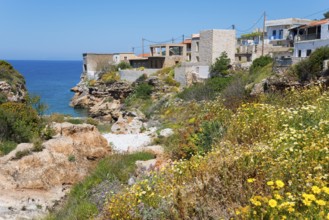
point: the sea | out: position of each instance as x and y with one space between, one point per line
52 81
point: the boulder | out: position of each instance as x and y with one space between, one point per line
44 176
105 108
166 132
127 125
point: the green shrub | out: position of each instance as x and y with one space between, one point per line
221 65
208 90
6 147
312 67
56 117
21 154
169 80
123 65
260 62
113 169
37 145
71 158
10 75
19 122
143 91
210 132
110 77
75 121
92 121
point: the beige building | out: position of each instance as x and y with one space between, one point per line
210 44
94 63
123 57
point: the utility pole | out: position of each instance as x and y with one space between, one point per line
172 40
233 27
143 46
263 34
133 49
183 38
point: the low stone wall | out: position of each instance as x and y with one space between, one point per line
188 73
133 75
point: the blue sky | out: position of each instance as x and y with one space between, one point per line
64 29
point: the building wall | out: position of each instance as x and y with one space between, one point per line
93 63
133 75
194 51
309 45
214 42
325 31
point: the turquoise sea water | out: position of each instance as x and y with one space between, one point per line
52 80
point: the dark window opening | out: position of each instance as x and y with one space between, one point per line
299 53
308 52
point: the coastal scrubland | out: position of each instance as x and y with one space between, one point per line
233 155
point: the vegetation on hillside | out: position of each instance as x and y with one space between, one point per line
19 122
11 76
233 156
112 173
221 65
311 68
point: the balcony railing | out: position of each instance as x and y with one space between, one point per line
276 37
309 37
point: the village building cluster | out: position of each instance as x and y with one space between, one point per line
286 40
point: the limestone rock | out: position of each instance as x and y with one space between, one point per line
127 125
166 132
105 108
13 94
44 176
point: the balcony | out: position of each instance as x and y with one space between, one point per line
309 37
276 37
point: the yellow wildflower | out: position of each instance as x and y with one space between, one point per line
251 180
320 202
291 209
277 196
316 189
273 203
279 184
307 202
270 183
326 190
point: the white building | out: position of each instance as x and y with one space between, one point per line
278 30
310 37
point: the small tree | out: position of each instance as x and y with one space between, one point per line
221 65
326 15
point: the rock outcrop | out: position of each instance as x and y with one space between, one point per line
40 179
12 84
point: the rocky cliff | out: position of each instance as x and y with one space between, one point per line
12 84
31 185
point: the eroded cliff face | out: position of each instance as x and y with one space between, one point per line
35 183
12 84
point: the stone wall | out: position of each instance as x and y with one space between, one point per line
189 73
133 75
214 42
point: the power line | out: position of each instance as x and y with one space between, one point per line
316 13
247 30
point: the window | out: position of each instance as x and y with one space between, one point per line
197 47
299 53
125 58
308 52
274 33
197 59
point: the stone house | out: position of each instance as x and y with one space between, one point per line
205 48
94 63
